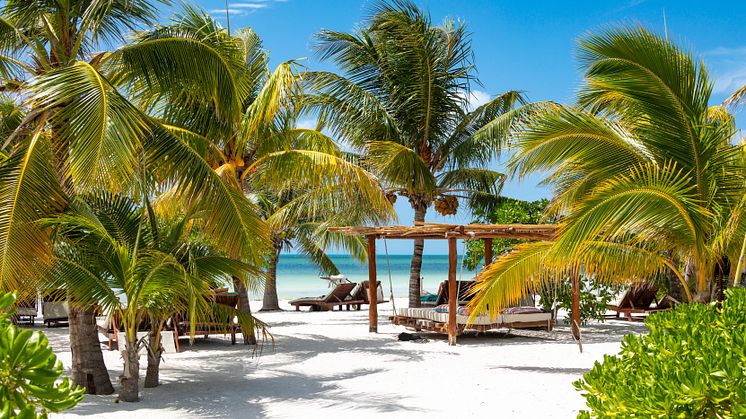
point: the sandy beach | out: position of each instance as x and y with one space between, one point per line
327 363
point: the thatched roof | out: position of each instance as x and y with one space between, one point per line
446 231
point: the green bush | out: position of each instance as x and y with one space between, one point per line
594 298
692 364
29 372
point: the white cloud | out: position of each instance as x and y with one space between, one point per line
728 68
728 82
249 5
478 98
245 8
231 11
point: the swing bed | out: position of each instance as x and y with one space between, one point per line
449 321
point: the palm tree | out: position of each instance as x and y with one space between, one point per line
403 101
306 230
79 132
215 91
644 170
118 255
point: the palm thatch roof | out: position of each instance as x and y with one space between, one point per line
447 231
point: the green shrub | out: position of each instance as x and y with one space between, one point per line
29 372
594 298
692 364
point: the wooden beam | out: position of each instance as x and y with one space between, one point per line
487 252
575 304
452 292
372 286
446 231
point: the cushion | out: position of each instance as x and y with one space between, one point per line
461 311
443 308
522 310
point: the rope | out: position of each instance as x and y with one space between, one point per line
391 283
461 268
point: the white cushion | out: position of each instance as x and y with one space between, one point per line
526 317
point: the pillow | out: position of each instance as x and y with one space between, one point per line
443 308
461 311
522 310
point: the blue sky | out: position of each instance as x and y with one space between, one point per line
518 45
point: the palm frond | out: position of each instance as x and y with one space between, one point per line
100 127
231 218
401 167
507 280
29 190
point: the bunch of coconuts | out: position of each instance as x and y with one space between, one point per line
446 205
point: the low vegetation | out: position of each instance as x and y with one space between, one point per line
690 365
29 372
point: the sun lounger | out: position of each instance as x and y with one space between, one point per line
55 308
464 294
108 327
25 308
181 325
638 299
337 297
362 293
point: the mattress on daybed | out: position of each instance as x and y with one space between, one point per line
484 319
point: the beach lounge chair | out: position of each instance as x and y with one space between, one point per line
362 293
464 294
108 327
25 308
180 324
638 299
337 297
55 308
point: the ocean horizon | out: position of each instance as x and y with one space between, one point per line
298 277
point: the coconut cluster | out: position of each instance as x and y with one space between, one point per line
446 205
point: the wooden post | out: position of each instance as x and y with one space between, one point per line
487 252
575 303
452 292
372 288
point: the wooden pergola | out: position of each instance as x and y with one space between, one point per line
452 232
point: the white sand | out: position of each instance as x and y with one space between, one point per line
327 363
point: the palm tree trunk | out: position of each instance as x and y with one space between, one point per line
270 302
415 280
243 300
88 367
675 290
129 380
692 274
152 373
722 272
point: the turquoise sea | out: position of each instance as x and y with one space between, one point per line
298 277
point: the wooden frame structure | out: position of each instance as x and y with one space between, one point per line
452 232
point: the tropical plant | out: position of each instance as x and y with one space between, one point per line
29 371
76 132
117 255
645 174
689 365
404 102
306 233
595 298
215 91
505 211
